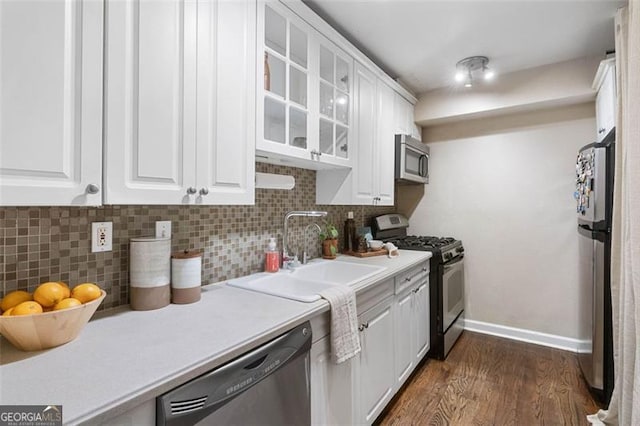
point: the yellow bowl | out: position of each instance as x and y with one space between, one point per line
48 329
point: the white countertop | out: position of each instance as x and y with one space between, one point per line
128 357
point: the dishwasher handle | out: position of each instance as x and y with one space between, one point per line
201 396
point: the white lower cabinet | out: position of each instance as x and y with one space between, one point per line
411 328
403 335
393 324
331 387
374 369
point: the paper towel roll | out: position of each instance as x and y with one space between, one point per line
186 267
150 273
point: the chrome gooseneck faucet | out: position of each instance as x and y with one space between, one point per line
285 233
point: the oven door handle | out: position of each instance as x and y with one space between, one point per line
453 264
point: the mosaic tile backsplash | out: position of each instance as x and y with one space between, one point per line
39 244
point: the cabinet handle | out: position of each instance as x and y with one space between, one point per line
204 191
363 326
601 130
415 290
316 154
191 190
424 269
93 188
408 279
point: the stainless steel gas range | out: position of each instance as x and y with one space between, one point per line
446 278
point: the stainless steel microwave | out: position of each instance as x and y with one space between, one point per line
412 160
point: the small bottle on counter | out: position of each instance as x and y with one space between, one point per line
272 257
349 233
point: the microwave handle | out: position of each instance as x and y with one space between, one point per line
422 165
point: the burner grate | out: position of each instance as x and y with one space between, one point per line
413 241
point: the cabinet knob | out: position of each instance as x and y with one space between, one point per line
191 190
601 130
204 191
408 279
424 269
93 188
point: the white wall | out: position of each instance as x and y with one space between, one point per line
505 186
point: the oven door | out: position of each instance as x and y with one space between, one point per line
452 291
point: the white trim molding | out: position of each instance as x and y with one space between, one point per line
529 336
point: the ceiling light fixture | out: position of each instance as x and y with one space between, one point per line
473 66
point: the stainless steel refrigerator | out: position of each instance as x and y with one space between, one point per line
594 196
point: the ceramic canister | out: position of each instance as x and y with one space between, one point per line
150 273
186 267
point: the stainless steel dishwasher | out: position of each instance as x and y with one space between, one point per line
266 386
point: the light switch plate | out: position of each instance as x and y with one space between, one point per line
101 236
163 229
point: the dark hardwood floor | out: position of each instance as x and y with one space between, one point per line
487 380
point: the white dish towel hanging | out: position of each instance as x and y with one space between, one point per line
345 341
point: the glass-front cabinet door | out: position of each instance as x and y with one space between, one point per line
334 84
304 102
285 109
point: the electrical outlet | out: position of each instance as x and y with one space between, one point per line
163 229
101 236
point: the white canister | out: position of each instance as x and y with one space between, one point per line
186 270
150 273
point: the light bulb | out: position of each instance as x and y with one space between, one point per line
469 81
459 76
489 74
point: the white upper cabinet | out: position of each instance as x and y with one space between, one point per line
226 102
606 99
336 70
374 170
304 95
179 123
403 118
385 146
51 102
365 188
371 180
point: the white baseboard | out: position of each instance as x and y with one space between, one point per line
529 336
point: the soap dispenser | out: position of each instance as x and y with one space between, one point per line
272 257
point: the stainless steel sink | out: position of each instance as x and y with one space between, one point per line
305 282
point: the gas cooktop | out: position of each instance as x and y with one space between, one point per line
415 242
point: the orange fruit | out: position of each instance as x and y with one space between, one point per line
65 287
26 308
7 312
69 302
86 292
14 298
48 294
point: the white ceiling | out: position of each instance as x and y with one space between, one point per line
420 41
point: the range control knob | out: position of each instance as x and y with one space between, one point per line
447 256
460 249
